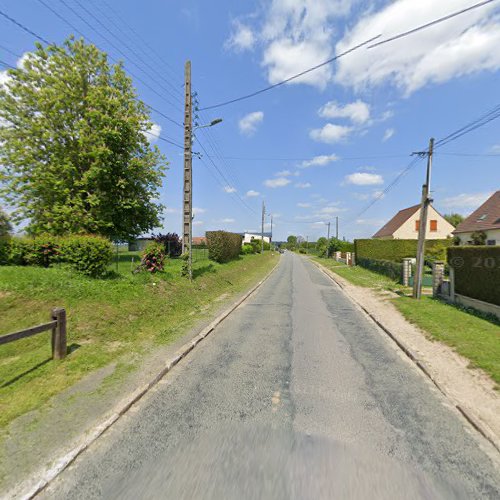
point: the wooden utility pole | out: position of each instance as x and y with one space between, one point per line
187 208
271 227
262 228
424 208
336 227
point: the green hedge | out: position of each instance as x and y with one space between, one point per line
397 250
393 270
477 272
223 246
90 255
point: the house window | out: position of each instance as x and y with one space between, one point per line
434 225
417 225
491 242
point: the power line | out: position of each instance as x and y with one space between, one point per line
340 158
329 61
10 51
7 65
302 73
24 28
432 23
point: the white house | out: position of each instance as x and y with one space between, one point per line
248 237
485 219
405 225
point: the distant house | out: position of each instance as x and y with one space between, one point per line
139 244
248 237
199 241
486 218
405 225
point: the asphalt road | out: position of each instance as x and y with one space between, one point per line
296 395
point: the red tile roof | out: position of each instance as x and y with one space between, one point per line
487 216
199 240
396 222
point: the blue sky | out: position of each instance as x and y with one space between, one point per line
325 145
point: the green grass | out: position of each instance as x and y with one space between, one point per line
475 337
362 277
109 319
470 335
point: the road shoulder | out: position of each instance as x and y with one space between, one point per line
471 391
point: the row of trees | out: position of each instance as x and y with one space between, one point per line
322 247
74 154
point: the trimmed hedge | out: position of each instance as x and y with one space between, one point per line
90 255
477 272
223 246
395 250
393 270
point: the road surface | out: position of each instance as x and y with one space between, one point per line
295 395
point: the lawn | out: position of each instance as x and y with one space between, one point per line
473 336
111 319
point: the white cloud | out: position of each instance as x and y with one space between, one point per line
461 46
331 133
172 210
371 222
319 161
357 112
153 133
278 182
297 34
252 193
248 124
363 179
197 210
465 201
495 149
198 223
284 173
388 134
229 189
303 185
330 210
227 220
242 38
304 205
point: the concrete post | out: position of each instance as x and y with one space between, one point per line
406 272
348 258
437 277
337 256
452 284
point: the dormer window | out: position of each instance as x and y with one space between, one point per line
483 217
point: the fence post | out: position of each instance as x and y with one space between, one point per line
437 277
337 256
59 333
406 271
348 258
452 284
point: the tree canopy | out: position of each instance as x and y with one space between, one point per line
454 219
5 225
74 155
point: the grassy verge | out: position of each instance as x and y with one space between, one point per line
471 335
115 318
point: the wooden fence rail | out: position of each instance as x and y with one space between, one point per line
57 324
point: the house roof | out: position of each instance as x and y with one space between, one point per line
396 222
199 240
487 216
266 235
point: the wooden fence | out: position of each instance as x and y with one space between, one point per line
57 324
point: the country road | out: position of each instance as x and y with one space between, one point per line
295 395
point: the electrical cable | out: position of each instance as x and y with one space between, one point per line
432 23
302 73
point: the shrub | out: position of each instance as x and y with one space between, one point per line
4 250
477 272
42 251
257 247
89 255
302 250
336 245
393 270
247 249
153 257
395 250
223 246
171 242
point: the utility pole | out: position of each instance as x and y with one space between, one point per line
187 207
328 241
262 228
307 244
426 201
336 227
271 227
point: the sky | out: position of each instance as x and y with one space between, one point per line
322 146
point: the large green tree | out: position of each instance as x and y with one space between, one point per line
5 225
74 155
